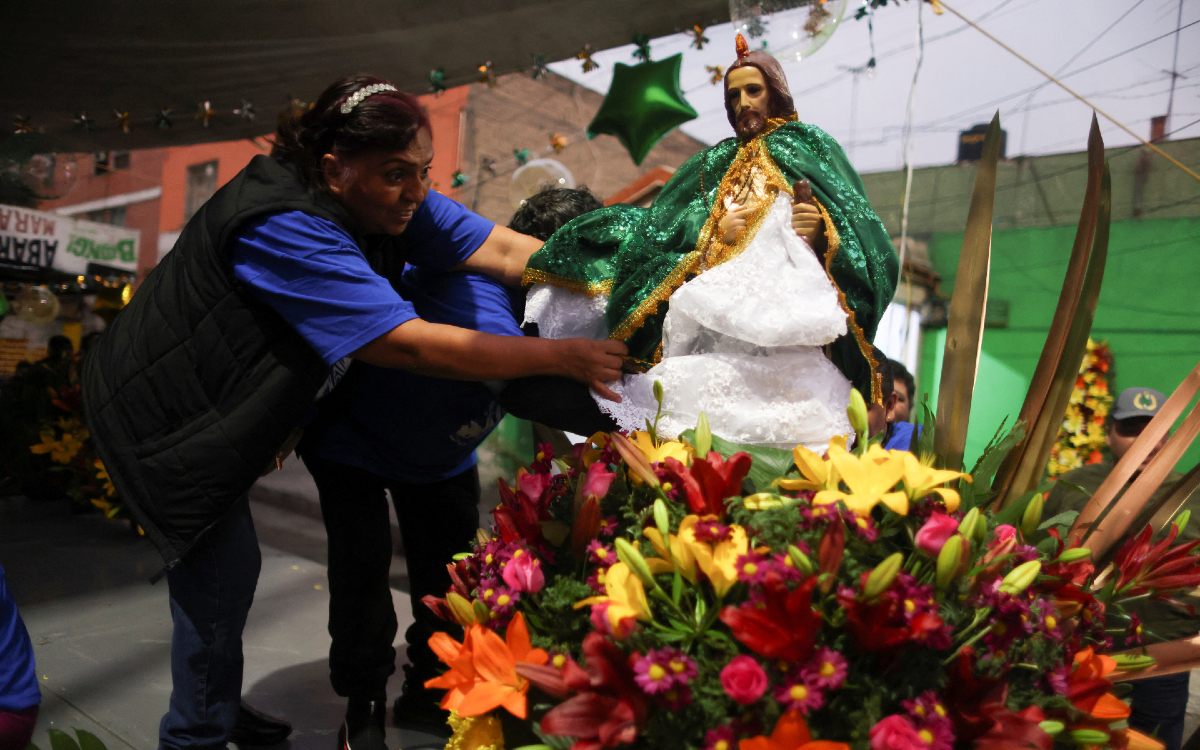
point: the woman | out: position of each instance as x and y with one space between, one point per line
199 382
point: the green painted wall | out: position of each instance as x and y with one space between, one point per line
1149 311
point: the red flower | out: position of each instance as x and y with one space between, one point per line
1014 730
710 480
518 517
783 626
1160 567
965 696
881 625
610 710
1088 686
790 733
830 551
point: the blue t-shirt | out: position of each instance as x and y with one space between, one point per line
414 428
313 274
901 437
18 675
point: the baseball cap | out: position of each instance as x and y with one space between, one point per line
1138 402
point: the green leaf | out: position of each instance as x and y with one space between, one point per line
1066 518
979 491
60 740
769 463
89 741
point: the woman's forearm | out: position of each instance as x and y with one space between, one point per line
462 354
502 256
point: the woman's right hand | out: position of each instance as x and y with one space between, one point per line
593 363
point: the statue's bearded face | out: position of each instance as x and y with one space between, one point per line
748 99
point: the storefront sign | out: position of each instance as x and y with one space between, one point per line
33 239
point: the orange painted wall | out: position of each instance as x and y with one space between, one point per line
231 157
445 117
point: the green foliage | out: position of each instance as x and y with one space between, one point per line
554 623
975 494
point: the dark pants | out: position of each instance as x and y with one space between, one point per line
211 590
437 521
1159 707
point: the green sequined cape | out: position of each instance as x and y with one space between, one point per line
640 255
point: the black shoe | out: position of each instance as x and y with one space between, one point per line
420 707
253 727
363 727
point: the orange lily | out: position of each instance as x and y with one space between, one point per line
1088 685
790 733
483 669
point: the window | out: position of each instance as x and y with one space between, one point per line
114 216
104 162
201 184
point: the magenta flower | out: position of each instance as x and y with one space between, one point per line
600 553
798 694
652 673
827 669
680 665
711 530
1002 534
676 698
935 533
752 567
533 485
721 738
597 481
608 526
524 572
744 680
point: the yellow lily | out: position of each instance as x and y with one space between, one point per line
921 479
813 469
681 556
717 560
624 594
870 481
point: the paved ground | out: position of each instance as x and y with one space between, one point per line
101 633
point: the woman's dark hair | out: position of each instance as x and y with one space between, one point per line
546 211
385 121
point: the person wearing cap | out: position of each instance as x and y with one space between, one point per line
1159 703
199 385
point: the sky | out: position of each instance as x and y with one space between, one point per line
1116 53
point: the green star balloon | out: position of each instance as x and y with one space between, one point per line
643 104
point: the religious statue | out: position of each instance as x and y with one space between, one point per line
751 287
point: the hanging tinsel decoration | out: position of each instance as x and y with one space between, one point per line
698 38
123 119
585 55
716 73
246 111
205 114
486 75
164 121
84 122
558 142
487 165
755 27
539 70
459 179
437 81
22 124
521 155
643 47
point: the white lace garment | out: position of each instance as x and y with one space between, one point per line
741 342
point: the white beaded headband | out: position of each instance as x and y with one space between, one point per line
357 97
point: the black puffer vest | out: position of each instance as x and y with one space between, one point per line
195 386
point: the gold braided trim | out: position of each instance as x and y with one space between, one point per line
591 289
661 293
753 155
835 244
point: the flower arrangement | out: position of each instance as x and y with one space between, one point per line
690 593
1081 437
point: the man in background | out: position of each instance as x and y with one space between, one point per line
1159 703
904 388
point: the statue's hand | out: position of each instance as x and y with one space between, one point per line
733 222
807 222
